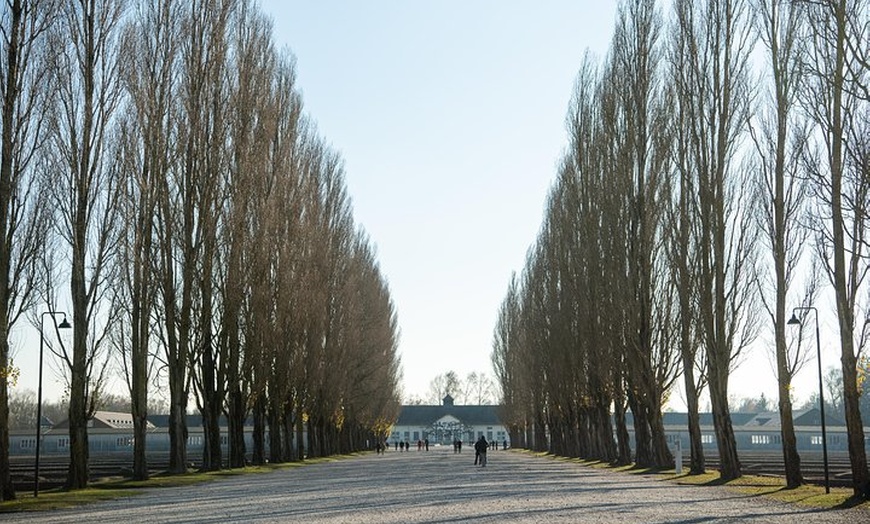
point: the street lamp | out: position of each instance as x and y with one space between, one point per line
795 322
63 325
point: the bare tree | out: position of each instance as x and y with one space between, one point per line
85 193
479 389
836 100
505 349
148 76
24 86
442 385
712 45
252 122
779 144
645 152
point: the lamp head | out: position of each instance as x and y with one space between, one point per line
64 324
793 321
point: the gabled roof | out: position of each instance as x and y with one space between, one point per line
193 420
468 415
107 420
813 417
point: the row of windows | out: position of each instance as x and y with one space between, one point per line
197 440
766 439
30 443
815 440
832 439
708 438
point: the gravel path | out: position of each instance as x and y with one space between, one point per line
440 486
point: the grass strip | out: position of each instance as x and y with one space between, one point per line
768 487
115 488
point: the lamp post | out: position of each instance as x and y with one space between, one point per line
794 321
63 325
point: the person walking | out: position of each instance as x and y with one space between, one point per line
480 451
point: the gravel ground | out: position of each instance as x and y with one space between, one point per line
440 486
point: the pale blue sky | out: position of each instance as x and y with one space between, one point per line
450 118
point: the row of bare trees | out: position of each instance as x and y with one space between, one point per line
159 175
709 147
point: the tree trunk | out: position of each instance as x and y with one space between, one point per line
729 463
139 385
539 440
236 428
855 428
289 438
178 460
78 475
140 318
7 491
623 437
212 459
276 453
258 435
697 465
662 456
793 476
313 438
845 295
608 451
10 99
301 445
211 380
642 449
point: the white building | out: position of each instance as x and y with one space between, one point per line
448 423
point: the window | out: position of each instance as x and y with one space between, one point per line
27 443
63 442
816 440
706 438
761 439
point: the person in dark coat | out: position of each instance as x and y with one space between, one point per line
480 451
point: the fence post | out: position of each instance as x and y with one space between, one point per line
678 456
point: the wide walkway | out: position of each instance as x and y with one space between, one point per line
437 487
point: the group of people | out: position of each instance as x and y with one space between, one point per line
480 447
402 446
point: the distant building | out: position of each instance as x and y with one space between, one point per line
106 420
447 423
